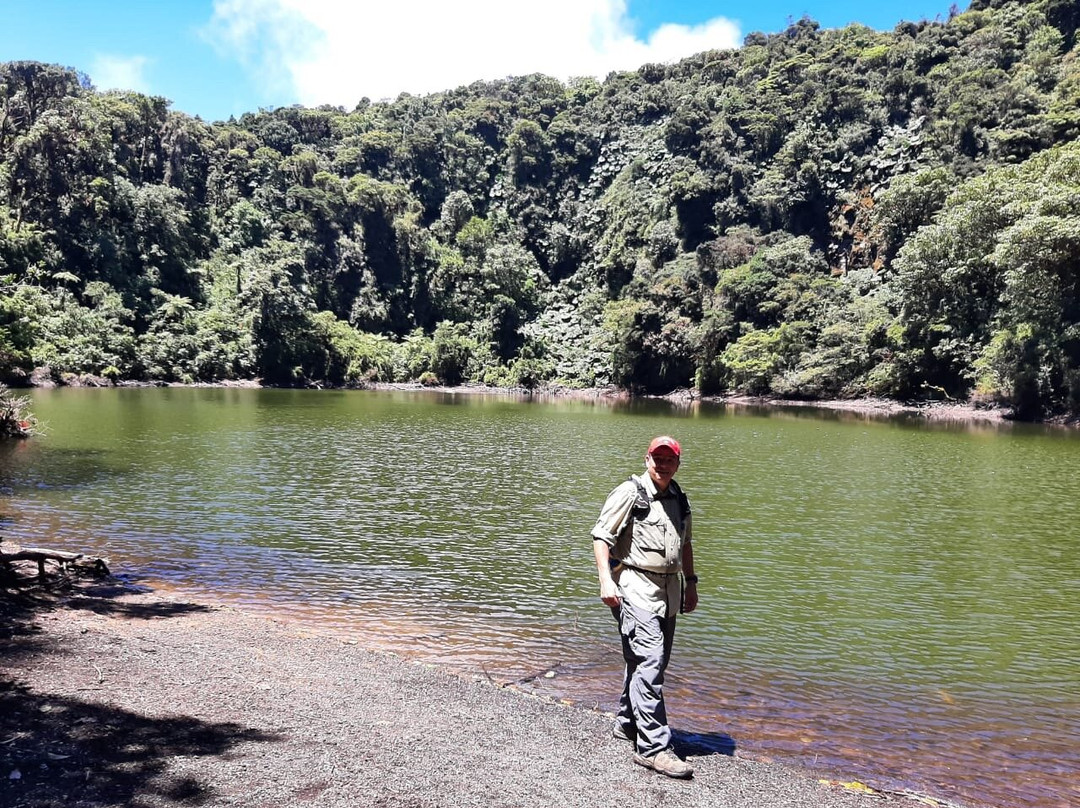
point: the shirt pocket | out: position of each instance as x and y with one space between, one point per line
650 533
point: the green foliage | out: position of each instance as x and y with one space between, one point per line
568 333
279 314
169 348
530 372
911 202
412 359
753 361
992 289
651 349
853 343
453 353
818 213
87 336
352 357
19 317
528 153
784 282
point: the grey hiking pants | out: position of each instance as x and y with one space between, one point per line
646 644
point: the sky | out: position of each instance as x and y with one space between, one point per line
221 58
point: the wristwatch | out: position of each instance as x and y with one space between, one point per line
691 579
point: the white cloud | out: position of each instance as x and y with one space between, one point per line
335 52
109 72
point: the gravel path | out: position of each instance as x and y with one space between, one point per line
113 698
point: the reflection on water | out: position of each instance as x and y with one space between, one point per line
879 598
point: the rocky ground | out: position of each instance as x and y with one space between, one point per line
115 697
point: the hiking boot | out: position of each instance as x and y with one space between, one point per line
621 733
666 763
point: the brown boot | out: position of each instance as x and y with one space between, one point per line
667 763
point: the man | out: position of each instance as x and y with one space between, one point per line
642 543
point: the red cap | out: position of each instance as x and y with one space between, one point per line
667 441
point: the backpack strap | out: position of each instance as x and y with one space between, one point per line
684 503
643 502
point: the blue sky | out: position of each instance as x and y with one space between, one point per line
216 58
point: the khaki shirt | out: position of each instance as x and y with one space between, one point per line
653 544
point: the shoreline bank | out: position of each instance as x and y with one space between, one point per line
115 697
932 411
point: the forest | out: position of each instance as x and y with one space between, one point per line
818 214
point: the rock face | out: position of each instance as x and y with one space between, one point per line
46 377
41 377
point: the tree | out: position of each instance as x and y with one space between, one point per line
93 336
279 313
19 318
991 288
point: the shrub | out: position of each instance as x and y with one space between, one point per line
16 420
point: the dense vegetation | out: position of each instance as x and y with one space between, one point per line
821 213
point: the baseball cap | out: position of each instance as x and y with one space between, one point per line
665 440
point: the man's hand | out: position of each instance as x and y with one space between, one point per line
609 593
690 598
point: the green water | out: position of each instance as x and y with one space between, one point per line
893 600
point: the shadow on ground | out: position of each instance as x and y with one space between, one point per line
100 599
702 743
60 752
25 596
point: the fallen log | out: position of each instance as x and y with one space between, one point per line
62 558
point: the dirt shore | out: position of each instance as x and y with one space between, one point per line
115 697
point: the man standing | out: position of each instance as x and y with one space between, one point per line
642 543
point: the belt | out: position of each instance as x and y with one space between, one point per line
616 565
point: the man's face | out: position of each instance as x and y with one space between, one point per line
662 465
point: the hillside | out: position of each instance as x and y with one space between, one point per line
818 214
